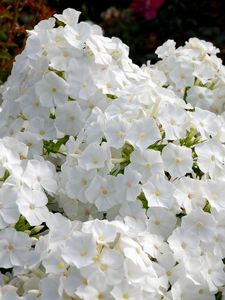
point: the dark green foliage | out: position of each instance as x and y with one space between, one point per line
54 147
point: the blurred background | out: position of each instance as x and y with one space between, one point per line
142 24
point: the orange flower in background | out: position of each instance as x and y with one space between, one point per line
147 8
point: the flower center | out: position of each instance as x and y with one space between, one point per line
10 247
157 193
190 196
61 265
95 161
157 222
199 225
103 267
142 135
147 165
104 191
83 253
101 297
84 181
121 134
54 89
32 206
178 160
183 245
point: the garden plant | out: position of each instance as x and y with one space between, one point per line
112 176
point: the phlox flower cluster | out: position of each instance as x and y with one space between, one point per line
112 176
194 72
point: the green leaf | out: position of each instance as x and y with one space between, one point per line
54 147
219 296
143 199
181 214
127 150
5 55
36 230
191 139
57 72
157 147
5 176
185 93
3 36
60 142
112 97
207 207
22 224
197 170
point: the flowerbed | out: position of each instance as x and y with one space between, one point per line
112 176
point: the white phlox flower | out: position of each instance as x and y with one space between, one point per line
14 247
159 192
111 175
177 160
9 213
32 205
143 133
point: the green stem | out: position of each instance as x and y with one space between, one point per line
119 160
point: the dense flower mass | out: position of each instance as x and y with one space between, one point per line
111 176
